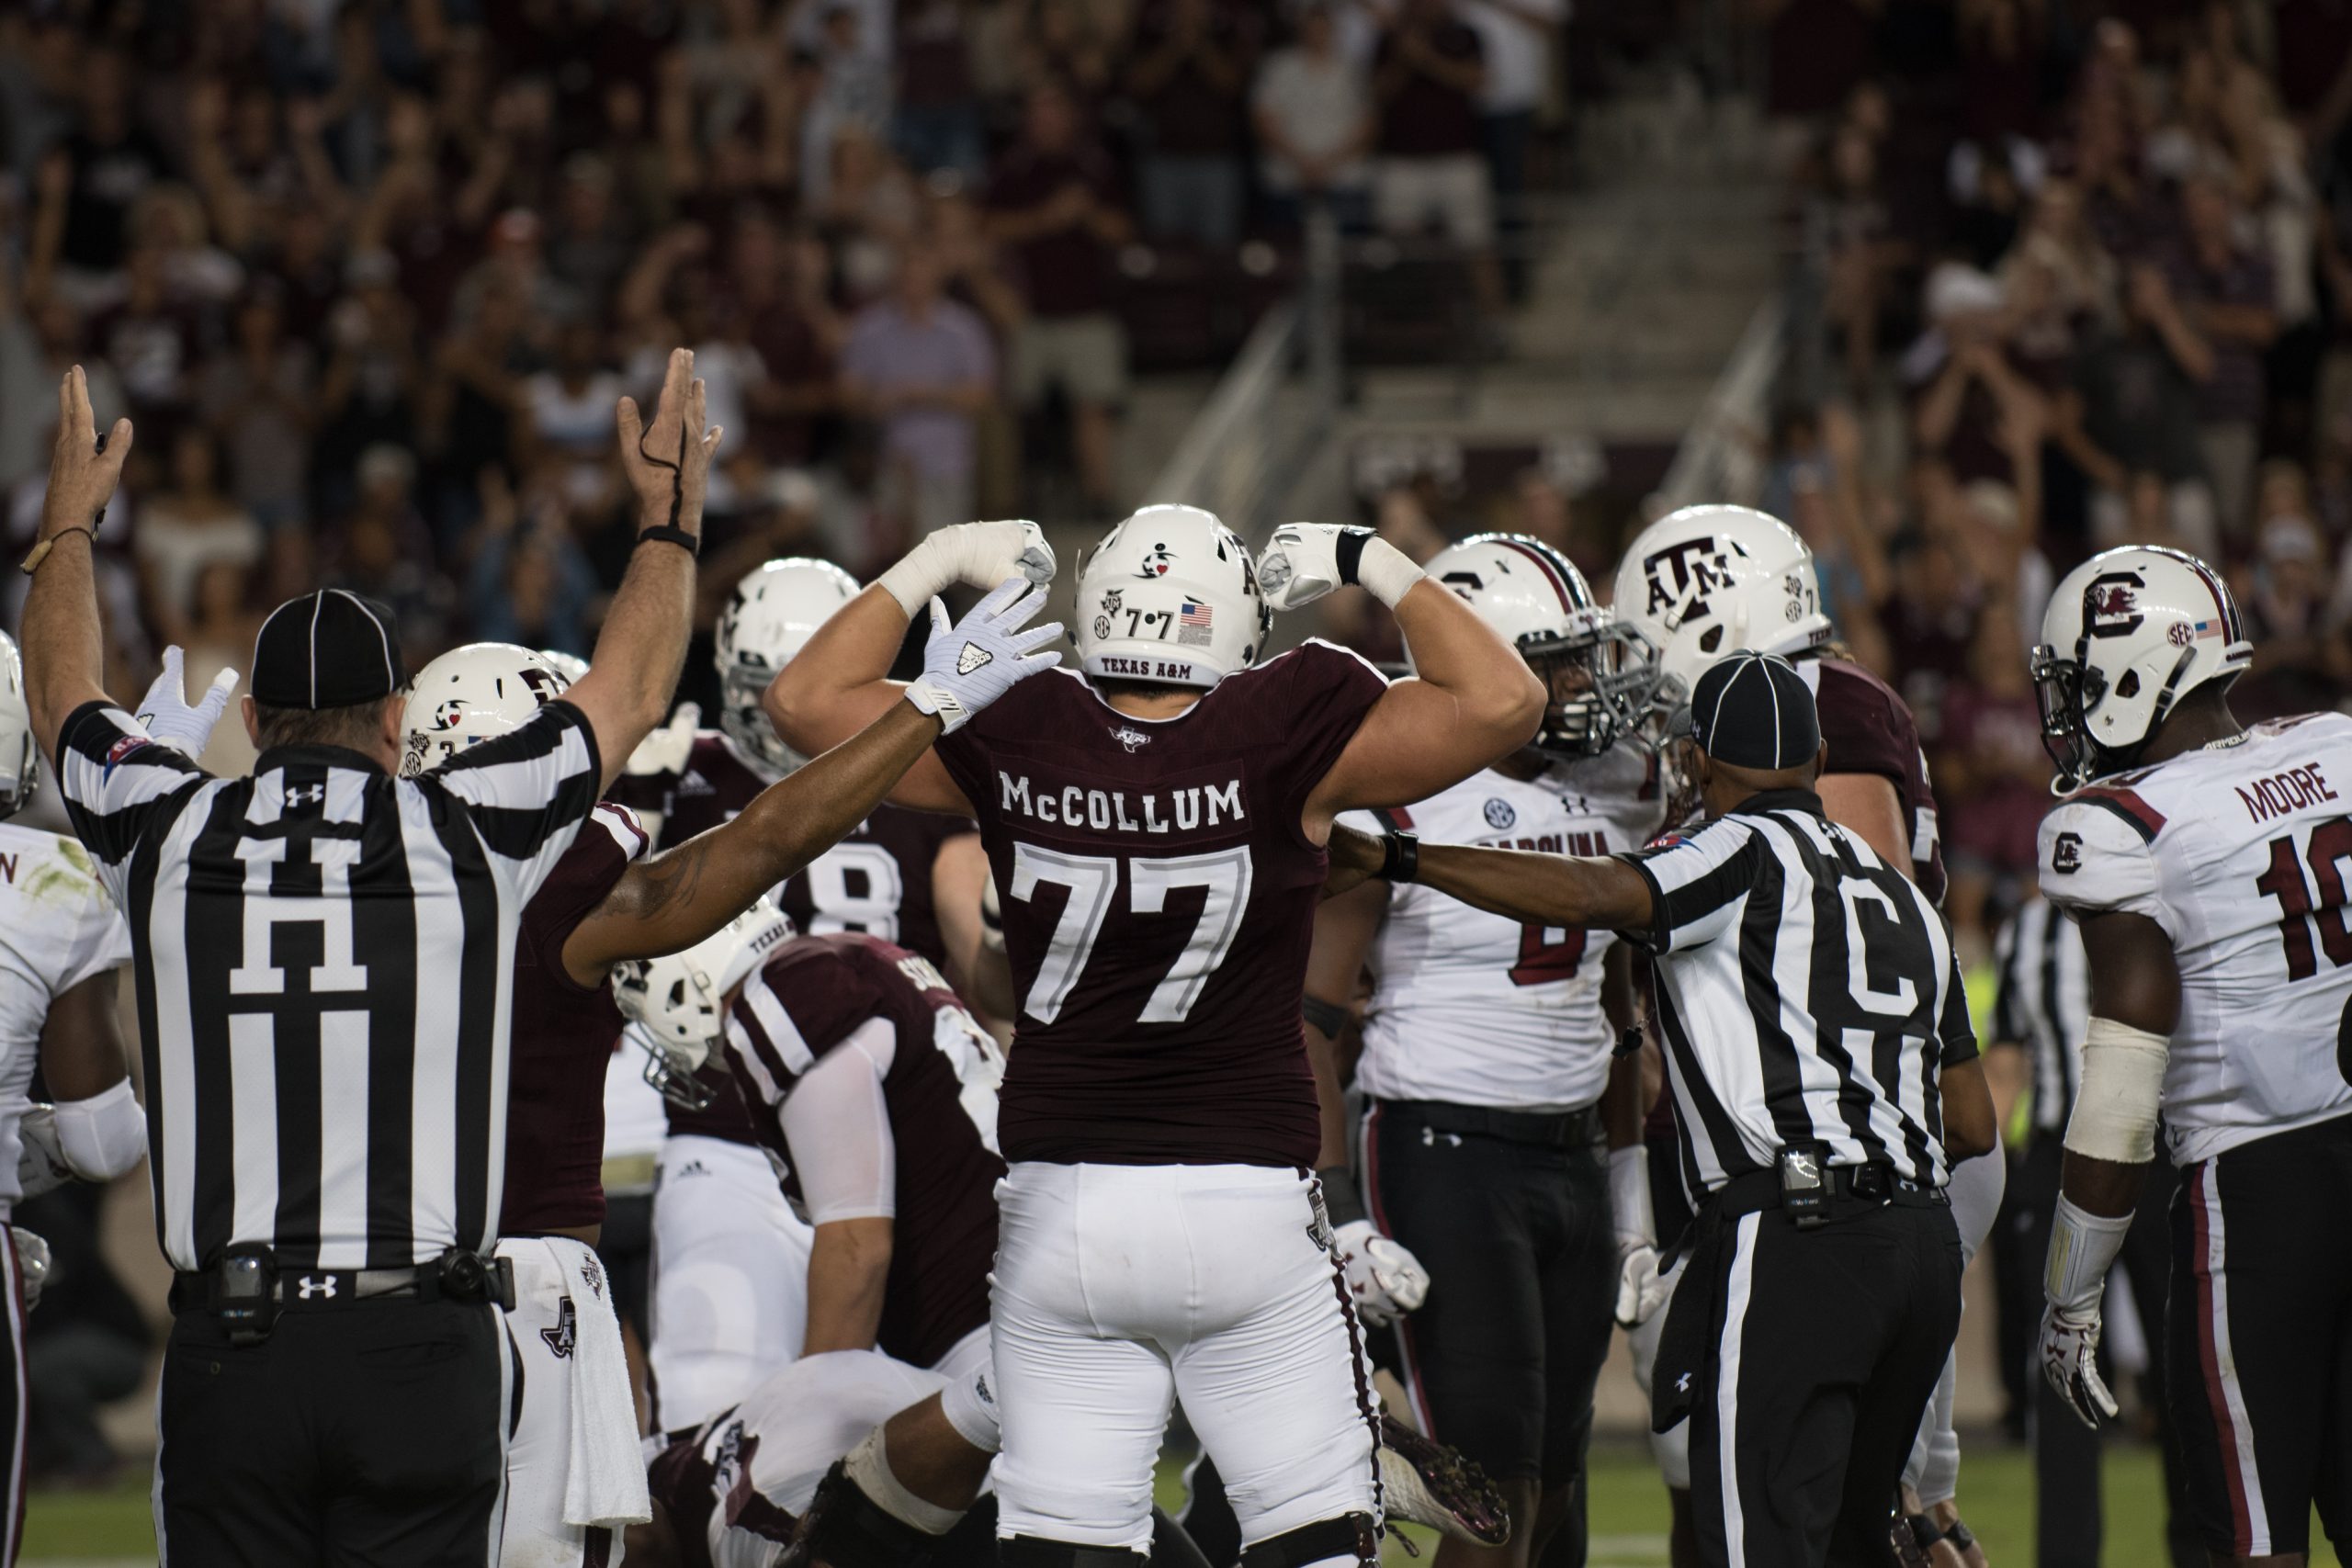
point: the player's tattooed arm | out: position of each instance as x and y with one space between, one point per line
680 896
1587 892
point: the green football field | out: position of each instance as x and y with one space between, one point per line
1628 1513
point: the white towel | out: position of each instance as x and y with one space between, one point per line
604 1480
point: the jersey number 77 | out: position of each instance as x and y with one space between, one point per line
1094 880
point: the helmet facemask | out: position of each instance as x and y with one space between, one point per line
742 719
672 1061
2069 692
1601 680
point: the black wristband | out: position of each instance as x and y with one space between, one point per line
668 534
1629 1044
1348 551
1400 857
1342 1203
1329 1017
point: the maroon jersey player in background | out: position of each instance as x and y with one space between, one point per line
1156 829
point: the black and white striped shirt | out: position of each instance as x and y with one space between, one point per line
2044 1005
1808 993
324 956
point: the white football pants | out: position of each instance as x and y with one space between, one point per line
1120 1287
730 1278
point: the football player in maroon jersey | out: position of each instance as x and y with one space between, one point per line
1156 829
728 1305
603 904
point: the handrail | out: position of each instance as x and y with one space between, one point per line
1223 456
1719 459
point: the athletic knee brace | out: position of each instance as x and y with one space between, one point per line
1349 1535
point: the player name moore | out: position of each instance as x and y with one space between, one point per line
1105 810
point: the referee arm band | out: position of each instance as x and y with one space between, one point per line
2123 1081
1329 1017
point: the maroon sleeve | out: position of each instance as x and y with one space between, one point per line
609 841
1028 709
1317 705
1865 727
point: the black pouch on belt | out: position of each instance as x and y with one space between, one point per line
1683 1343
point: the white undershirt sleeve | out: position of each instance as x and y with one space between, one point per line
838 1125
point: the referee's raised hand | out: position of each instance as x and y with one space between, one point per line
643 644
63 656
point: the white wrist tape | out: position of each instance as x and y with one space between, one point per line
1385 571
104 1135
2081 1249
868 1464
1629 1195
2123 1083
921 573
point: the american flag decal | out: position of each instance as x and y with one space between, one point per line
1195 614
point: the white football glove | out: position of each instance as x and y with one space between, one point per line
2068 1351
968 665
42 1166
666 750
32 1262
165 712
982 555
1306 560
1642 1288
1383 1277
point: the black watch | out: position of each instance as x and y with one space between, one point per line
1401 856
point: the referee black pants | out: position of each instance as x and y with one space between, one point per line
1820 1351
2068 1522
372 1435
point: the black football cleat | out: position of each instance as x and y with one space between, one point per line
1426 1483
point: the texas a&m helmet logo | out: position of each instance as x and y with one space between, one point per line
1682 576
2111 605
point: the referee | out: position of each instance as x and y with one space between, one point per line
1824 1077
323 956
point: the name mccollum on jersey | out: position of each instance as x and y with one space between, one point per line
1105 810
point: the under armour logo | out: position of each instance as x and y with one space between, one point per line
306 795
310 1285
565 1335
972 658
1682 1384
1130 737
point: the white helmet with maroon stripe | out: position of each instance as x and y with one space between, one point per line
2127 634
677 1005
1170 597
1706 580
20 770
471 695
1537 599
777 607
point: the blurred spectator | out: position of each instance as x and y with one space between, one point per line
89 182
382 550
937 123
530 584
2300 657
923 367
218 633
1429 71
1188 72
1849 247
1515 36
1312 108
257 397
2131 416
1057 208
186 527
2227 291
571 407
84 1349
1976 414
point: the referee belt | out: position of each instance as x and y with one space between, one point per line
455 1276
1852 1190
1545 1129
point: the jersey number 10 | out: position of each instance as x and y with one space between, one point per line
2331 845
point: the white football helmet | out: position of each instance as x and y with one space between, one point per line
471 695
2127 634
1708 581
20 759
776 609
1541 603
677 1005
1170 597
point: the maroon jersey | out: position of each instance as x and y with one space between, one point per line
563 1034
940 1094
1160 895
877 880
1868 729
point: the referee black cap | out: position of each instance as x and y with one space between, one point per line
1753 710
327 650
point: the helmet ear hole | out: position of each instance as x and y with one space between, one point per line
2127 687
1712 640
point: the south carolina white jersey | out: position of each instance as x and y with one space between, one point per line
2239 852
1472 1008
58 928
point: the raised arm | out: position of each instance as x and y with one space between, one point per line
684 895
1471 700
840 680
64 649
1587 892
643 644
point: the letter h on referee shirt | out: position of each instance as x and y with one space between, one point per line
338 968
